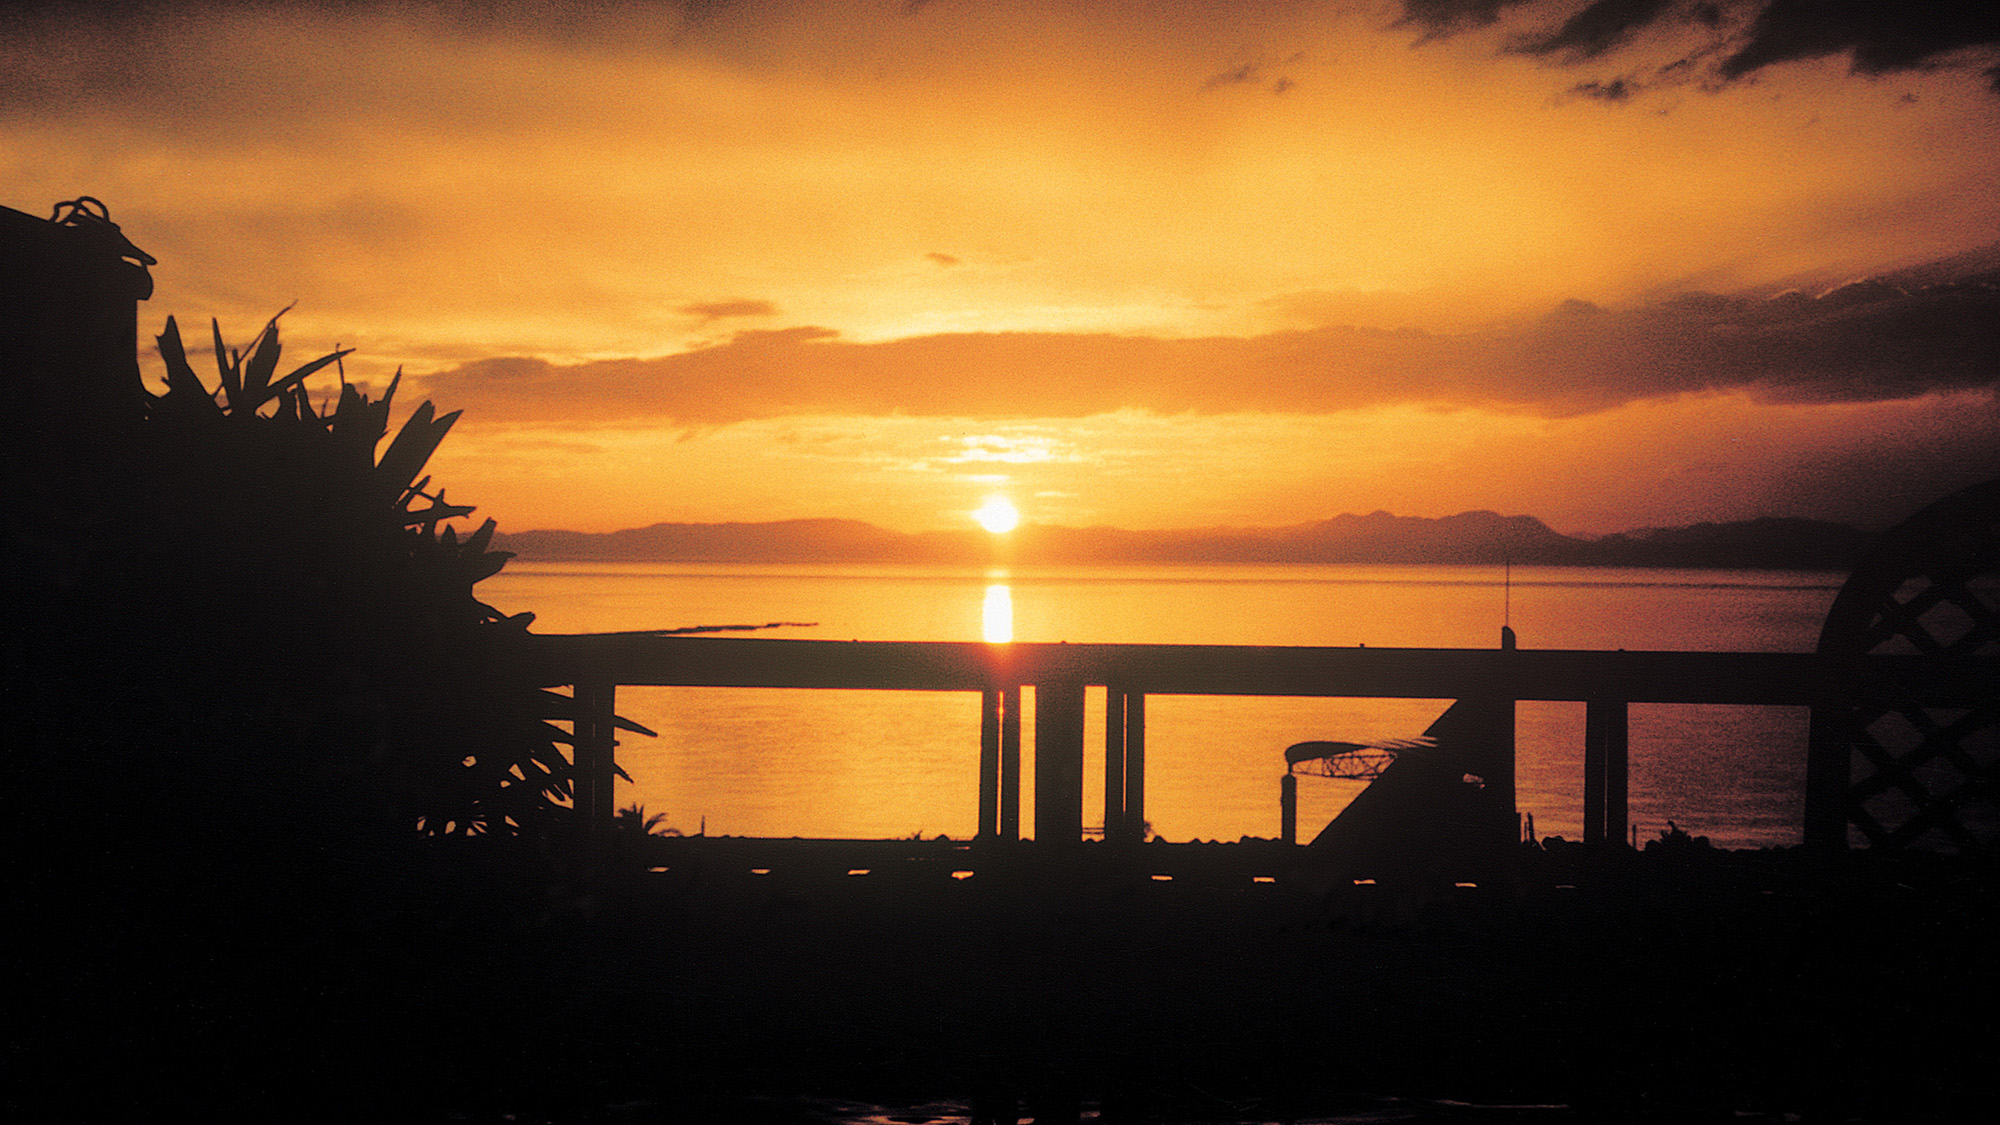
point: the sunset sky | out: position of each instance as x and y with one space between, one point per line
1144 263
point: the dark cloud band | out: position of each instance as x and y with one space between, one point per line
1745 36
1863 343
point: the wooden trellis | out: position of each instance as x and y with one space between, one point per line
1891 767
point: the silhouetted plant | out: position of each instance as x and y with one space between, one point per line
632 819
1674 838
377 680
243 676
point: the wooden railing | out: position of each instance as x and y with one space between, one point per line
1606 682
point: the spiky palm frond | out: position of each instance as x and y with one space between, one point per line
313 534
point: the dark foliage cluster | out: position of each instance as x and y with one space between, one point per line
263 629
289 817
378 673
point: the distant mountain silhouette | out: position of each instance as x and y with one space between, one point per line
809 540
1480 537
1768 543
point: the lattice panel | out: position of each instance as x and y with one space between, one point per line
1925 778
1930 614
1912 773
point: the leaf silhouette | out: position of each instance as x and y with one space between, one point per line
183 385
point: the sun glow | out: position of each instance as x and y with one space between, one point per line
997 615
998 515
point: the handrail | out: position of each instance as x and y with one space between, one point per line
596 665
1768 678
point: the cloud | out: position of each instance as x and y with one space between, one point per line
1867 343
1440 18
1252 73
1613 90
1235 76
1881 37
721 310
1745 36
1600 27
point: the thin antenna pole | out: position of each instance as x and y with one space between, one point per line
1507 594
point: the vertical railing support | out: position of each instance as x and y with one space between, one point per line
1508 643
1010 762
1617 771
1474 738
1606 742
1114 763
1124 765
1593 771
1058 763
1134 829
989 763
1832 732
595 728
1288 808
1503 766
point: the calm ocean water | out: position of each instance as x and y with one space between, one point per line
894 764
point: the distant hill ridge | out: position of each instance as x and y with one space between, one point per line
1469 537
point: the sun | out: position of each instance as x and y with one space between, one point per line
998 515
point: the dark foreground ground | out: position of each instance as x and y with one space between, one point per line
1672 985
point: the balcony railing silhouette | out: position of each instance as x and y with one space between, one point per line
595 666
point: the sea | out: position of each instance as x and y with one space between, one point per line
889 764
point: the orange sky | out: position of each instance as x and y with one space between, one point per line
1146 264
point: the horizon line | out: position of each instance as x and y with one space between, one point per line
974 531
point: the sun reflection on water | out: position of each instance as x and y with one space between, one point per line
997 615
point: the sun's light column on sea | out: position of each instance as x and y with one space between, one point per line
997 615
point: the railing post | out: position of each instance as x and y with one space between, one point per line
989 763
1593 771
1606 750
1617 769
1482 730
1504 767
1504 756
1010 763
1830 735
1058 763
1114 763
1134 829
595 729
1288 808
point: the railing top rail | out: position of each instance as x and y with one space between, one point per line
1529 674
